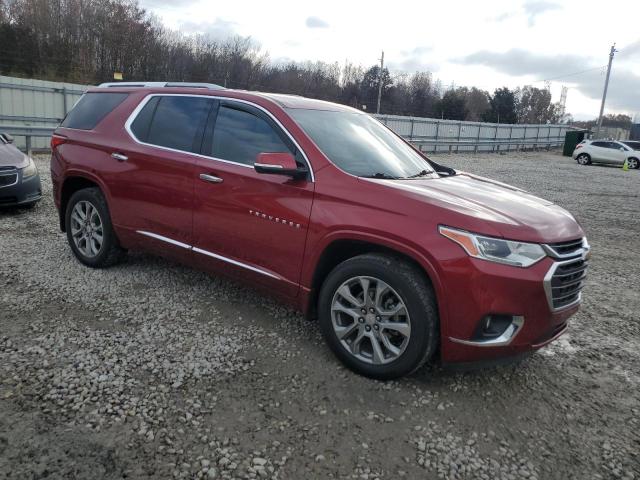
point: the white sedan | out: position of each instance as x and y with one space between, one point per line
606 151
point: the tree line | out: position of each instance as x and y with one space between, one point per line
86 41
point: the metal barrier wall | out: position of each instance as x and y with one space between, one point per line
31 109
434 135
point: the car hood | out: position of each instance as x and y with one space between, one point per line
10 156
495 208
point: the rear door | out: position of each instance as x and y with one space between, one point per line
249 224
153 186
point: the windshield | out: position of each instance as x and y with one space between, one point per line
360 145
633 145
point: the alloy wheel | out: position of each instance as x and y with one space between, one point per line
86 228
371 320
632 163
583 159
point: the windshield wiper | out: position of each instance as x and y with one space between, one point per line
381 175
422 173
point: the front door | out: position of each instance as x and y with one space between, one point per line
619 153
249 224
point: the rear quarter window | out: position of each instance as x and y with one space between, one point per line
91 109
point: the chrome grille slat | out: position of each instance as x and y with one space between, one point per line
568 284
565 280
568 249
572 294
573 272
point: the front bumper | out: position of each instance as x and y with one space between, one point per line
517 296
22 192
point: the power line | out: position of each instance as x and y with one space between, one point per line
571 74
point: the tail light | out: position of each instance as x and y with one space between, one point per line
57 140
578 146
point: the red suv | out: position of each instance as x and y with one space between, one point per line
321 205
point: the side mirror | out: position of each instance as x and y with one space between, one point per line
6 137
279 164
622 149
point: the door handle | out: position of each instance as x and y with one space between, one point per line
210 178
119 156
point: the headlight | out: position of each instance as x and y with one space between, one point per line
518 254
30 170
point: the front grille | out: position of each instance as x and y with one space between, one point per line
567 282
566 248
8 200
8 179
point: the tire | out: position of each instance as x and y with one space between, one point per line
407 285
633 163
88 252
583 159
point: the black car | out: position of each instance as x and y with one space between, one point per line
19 179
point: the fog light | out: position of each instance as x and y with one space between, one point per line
492 326
494 330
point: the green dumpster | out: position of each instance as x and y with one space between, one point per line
571 139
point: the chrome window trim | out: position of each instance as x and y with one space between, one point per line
145 100
208 253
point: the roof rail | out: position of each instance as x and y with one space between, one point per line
211 86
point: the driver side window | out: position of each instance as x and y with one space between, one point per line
239 136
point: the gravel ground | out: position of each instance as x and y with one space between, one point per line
152 370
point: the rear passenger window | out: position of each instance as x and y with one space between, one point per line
142 123
92 108
600 144
239 136
174 122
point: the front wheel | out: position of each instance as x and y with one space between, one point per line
378 314
583 159
633 163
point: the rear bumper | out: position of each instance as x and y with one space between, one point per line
488 289
23 192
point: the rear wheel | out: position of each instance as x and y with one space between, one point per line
633 163
378 315
89 230
583 159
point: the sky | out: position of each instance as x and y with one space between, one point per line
487 44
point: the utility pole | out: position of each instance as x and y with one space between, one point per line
606 85
380 81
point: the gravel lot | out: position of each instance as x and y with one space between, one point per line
152 370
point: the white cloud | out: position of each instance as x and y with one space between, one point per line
218 29
533 8
316 22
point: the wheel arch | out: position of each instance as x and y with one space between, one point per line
71 185
342 247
